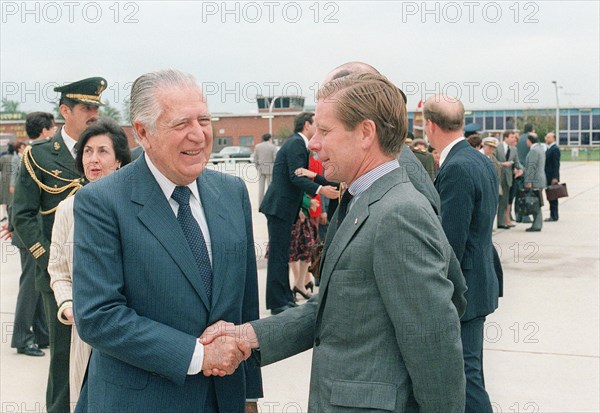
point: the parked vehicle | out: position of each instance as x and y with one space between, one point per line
233 154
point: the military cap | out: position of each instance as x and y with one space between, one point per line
86 91
471 128
490 141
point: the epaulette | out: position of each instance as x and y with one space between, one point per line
41 141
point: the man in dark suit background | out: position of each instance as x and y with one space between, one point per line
163 248
467 182
552 170
281 205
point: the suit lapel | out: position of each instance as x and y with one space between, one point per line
337 241
157 215
215 213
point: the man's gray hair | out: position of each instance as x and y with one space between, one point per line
144 105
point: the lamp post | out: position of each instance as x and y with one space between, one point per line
557 110
271 115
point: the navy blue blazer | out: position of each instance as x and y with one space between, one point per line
138 297
552 167
467 183
284 195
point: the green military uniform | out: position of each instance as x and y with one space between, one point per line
47 176
427 160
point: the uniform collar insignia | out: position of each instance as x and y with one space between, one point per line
57 172
56 146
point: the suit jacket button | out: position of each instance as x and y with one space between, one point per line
317 342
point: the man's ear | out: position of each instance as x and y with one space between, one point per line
369 133
142 132
64 111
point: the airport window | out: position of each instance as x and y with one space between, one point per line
489 122
595 121
574 138
585 138
479 121
499 122
574 122
468 119
595 137
563 138
246 140
585 121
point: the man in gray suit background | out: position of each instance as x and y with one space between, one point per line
264 157
384 331
535 177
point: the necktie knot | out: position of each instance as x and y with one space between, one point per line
181 195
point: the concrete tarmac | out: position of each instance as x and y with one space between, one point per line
542 348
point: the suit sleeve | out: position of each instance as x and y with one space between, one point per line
296 158
26 207
250 310
288 333
104 319
410 264
457 194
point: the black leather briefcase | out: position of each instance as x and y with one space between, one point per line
553 192
528 201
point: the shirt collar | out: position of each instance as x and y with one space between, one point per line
70 142
304 138
448 148
165 184
365 181
552 144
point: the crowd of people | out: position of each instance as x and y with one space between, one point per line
141 276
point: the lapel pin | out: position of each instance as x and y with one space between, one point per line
355 221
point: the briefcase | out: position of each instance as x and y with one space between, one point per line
528 201
553 192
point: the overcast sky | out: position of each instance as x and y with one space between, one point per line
490 54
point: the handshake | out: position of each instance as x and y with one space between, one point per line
226 346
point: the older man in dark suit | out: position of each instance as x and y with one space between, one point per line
163 248
281 205
467 182
552 170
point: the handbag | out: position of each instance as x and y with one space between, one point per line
553 192
528 202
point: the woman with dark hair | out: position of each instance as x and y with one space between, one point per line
102 149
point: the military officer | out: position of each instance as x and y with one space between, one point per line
47 176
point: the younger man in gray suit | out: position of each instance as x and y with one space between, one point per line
535 177
384 331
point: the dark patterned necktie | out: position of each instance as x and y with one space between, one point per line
193 235
343 206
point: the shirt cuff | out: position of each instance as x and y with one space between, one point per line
197 359
319 189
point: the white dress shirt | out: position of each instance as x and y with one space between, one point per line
70 142
167 188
